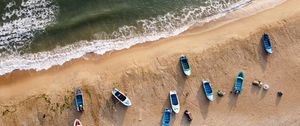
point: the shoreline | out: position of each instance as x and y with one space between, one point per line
59 56
146 72
219 22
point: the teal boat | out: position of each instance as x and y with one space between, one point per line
239 83
166 121
185 65
79 101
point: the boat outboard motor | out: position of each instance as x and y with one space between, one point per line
236 91
80 108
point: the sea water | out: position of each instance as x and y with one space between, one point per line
37 34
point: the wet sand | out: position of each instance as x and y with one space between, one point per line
147 72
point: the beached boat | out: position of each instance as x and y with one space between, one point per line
174 101
237 89
208 90
267 43
167 117
121 97
79 101
77 123
185 65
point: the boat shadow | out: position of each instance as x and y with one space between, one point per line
181 80
255 89
119 111
203 103
277 101
218 99
42 118
114 111
167 104
264 55
232 100
263 94
75 114
72 111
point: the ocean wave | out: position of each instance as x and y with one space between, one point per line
168 25
22 21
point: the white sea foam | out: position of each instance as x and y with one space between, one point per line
30 17
167 25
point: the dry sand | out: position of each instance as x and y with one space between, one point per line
147 72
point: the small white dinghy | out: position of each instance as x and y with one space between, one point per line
174 101
121 97
77 123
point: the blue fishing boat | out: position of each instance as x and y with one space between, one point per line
208 90
185 65
79 101
166 121
267 43
239 83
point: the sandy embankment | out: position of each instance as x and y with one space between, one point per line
148 72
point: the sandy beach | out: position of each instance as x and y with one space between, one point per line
147 72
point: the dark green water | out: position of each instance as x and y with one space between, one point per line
37 34
98 19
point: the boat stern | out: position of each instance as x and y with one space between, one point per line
210 98
127 102
270 51
187 72
176 109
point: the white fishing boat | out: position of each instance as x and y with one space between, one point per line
121 97
174 101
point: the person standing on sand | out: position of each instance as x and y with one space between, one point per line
279 93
